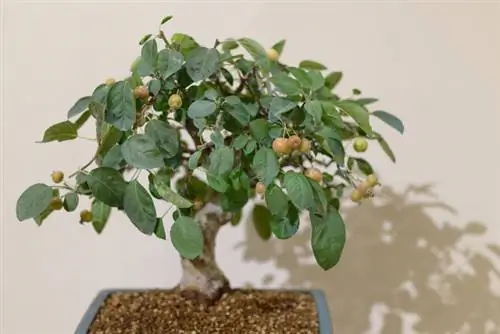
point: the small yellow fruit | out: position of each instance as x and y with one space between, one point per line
372 180
86 216
363 187
141 92
356 195
360 145
294 142
175 101
260 188
272 54
314 174
198 205
57 176
56 203
110 82
305 145
281 146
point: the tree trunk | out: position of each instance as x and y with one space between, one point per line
202 279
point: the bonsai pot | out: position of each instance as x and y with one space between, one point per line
238 311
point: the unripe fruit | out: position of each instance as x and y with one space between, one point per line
56 203
314 174
110 82
198 205
360 145
175 101
86 216
272 54
305 145
57 176
372 180
260 188
356 195
281 146
141 92
363 187
294 142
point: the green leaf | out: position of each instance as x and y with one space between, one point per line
242 112
328 237
154 87
193 160
185 42
358 113
169 62
262 221
315 109
319 198
217 183
302 76
276 201
60 132
287 226
110 138
114 158
44 215
366 101
160 229
332 144
140 151
165 137
259 129
221 161
107 185
162 184
121 106
240 141
279 46
364 166
100 215
70 202
144 39
33 201
149 54
279 106
386 148
202 63
166 19
333 79
286 84
201 108
187 237
311 65
317 80
139 207
299 190
266 166
80 106
390 120
82 119
253 48
250 146
218 139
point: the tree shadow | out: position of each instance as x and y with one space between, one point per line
400 270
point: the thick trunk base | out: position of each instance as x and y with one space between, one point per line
202 279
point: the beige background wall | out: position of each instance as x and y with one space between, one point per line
407 267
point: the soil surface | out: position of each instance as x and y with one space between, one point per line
238 311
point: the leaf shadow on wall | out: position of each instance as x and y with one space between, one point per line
397 260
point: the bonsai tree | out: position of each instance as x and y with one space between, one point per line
217 129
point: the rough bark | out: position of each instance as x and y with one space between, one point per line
202 278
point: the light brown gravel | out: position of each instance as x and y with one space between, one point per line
238 311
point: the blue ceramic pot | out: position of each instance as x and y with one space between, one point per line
325 324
